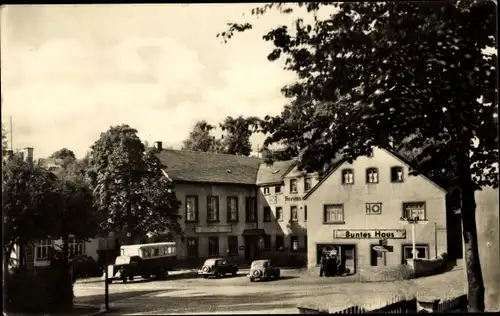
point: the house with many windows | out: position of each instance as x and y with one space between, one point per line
367 210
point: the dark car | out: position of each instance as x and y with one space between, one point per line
263 270
217 267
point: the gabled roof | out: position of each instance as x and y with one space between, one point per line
339 161
194 166
273 174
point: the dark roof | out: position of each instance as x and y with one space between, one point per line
275 172
195 166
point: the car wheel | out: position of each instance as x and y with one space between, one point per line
234 273
124 279
131 278
252 279
205 276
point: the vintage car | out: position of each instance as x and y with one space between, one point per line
263 270
145 260
217 267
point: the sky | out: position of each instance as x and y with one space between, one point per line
70 72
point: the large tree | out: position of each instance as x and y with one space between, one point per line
66 155
29 205
199 138
236 140
379 74
129 187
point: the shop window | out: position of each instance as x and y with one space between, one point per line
397 174
280 243
232 242
213 246
347 176
414 211
422 252
267 214
192 247
372 175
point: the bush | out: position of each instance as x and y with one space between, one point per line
44 290
85 267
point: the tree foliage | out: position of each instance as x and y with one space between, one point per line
407 74
236 140
5 142
29 203
66 155
128 186
200 139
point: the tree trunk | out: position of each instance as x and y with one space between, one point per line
468 210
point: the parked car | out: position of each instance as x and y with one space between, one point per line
217 267
263 270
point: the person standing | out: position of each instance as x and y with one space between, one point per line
322 262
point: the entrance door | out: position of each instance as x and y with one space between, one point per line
378 258
251 248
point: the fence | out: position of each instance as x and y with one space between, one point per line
402 306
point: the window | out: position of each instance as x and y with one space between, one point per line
293 214
347 176
267 242
251 210
334 213
192 247
213 246
277 189
267 191
305 242
414 210
307 184
422 252
212 208
397 174
267 214
232 209
372 175
191 208
280 243
42 249
232 242
305 213
295 243
293 186
279 213
76 248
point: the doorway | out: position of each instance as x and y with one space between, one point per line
251 248
346 253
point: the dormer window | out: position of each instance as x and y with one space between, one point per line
266 191
397 174
372 175
293 186
347 176
277 189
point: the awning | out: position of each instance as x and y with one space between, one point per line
254 232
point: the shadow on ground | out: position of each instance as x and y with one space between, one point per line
199 303
98 299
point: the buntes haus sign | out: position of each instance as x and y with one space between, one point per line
369 234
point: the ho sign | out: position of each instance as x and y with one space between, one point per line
373 208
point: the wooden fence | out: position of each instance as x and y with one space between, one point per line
402 306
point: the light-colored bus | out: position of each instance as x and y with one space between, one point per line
145 260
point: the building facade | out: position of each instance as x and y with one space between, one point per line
357 209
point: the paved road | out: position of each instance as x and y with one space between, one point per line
234 295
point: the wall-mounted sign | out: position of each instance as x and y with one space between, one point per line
293 198
213 229
369 233
373 208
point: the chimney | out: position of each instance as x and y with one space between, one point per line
159 145
28 154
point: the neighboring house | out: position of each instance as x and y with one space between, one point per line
356 209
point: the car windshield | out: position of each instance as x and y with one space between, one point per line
209 262
264 264
122 260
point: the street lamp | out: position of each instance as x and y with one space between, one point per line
412 221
